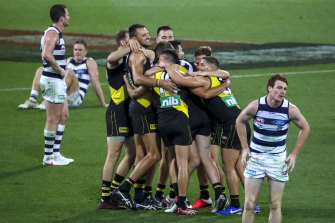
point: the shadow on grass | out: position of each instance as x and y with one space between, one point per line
4 175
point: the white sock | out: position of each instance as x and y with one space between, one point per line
58 139
33 95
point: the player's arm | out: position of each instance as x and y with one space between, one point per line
134 93
298 119
217 73
68 61
184 80
153 70
94 75
51 38
241 121
136 61
206 93
113 59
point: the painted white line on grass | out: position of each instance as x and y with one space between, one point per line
234 76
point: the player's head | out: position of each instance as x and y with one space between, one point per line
164 34
277 87
58 13
202 51
161 46
141 33
169 56
122 38
79 50
208 64
177 47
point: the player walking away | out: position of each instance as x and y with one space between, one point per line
267 151
52 84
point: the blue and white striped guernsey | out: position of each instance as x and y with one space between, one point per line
82 75
270 128
58 53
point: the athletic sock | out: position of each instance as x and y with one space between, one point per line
217 189
160 191
105 191
33 96
204 192
138 193
116 181
181 202
224 191
49 140
175 188
172 193
147 191
127 185
58 139
234 200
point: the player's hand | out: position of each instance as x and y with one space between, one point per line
105 105
291 159
244 156
169 86
62 73
134 45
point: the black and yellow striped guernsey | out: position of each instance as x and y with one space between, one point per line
116 83
224 106
166 101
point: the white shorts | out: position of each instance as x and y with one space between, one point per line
261 165
74 100
53 89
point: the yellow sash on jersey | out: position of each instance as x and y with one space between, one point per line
119 95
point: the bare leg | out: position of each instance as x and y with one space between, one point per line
182 156
276 190
230 158
252 188
36 81
113 153
194 160
215 154
71 82
128 160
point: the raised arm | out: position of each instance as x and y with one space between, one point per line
241 121
113 59
51 38
299 120
94 76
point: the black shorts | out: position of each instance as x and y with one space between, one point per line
117 120
200 123
225 135
174 128
143 120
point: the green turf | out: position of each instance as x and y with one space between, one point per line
309 21
31 192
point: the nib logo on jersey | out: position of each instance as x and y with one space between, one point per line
170 101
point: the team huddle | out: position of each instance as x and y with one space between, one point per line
165 109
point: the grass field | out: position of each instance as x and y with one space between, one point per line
30 192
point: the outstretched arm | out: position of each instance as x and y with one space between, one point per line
184 80
94 75
241 122
206 93
299 120
217 73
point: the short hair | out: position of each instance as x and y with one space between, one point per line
121 35
133 29
175 44
161 46
81 41
203 50
171 56
164 28
57 11
272 80
212 61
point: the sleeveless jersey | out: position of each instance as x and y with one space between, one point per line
58 53
166 101
145 99
81 71
223 106
116 83
270 128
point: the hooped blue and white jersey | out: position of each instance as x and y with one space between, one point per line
58 53
81 72
270 128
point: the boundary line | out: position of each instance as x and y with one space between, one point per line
235 76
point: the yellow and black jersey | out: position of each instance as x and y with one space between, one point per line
167 101
144 101
116 83
224 106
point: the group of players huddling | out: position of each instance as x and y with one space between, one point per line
174 111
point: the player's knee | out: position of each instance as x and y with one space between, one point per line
275 206
249 205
